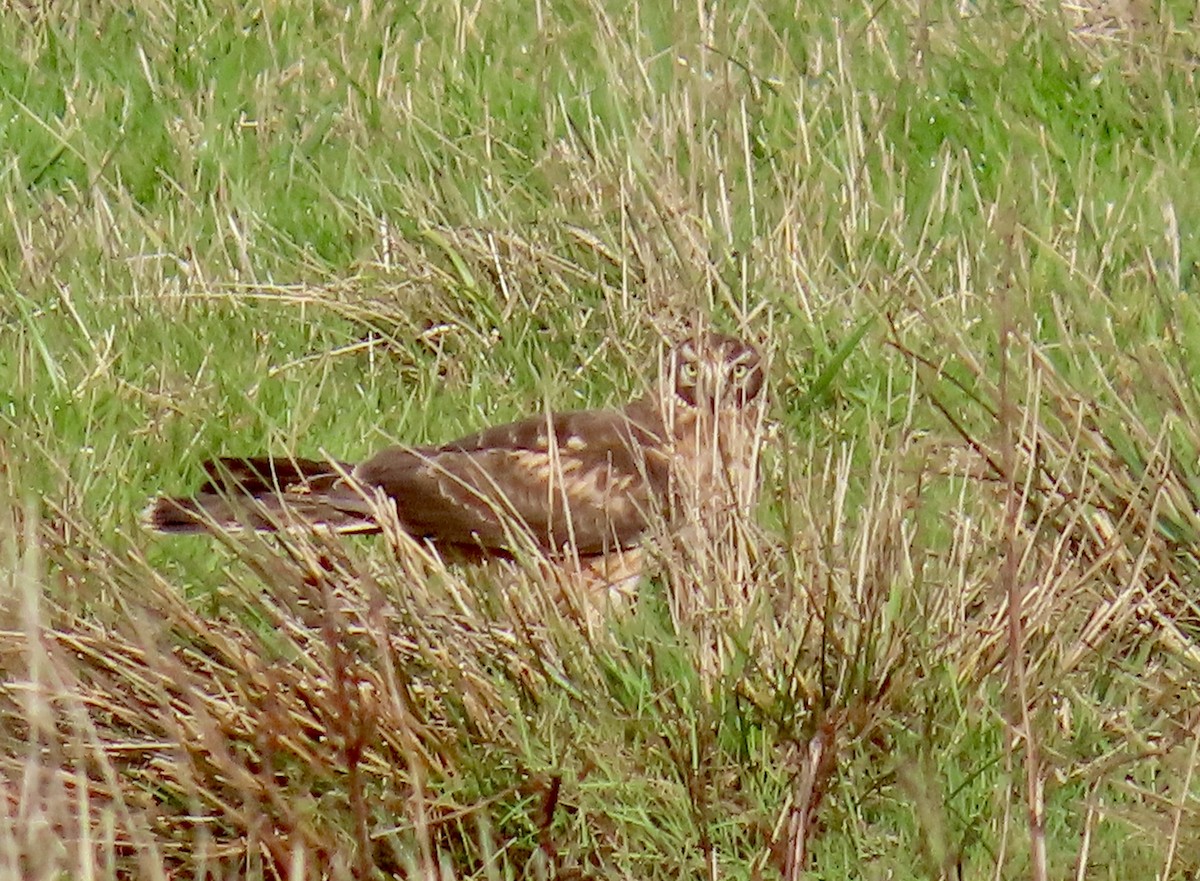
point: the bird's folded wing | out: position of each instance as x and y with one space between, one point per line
587 480
582 480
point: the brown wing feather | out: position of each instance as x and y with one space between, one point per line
260 474
339 508
589 479
266 493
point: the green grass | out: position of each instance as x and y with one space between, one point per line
230 228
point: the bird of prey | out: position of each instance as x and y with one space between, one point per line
580 484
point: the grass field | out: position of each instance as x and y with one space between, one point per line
959 639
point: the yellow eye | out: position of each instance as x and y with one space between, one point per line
688 372
741 371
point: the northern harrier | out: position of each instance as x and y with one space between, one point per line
583 484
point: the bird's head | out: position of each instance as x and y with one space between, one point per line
715 370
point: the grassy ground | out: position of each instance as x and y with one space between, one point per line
960 639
